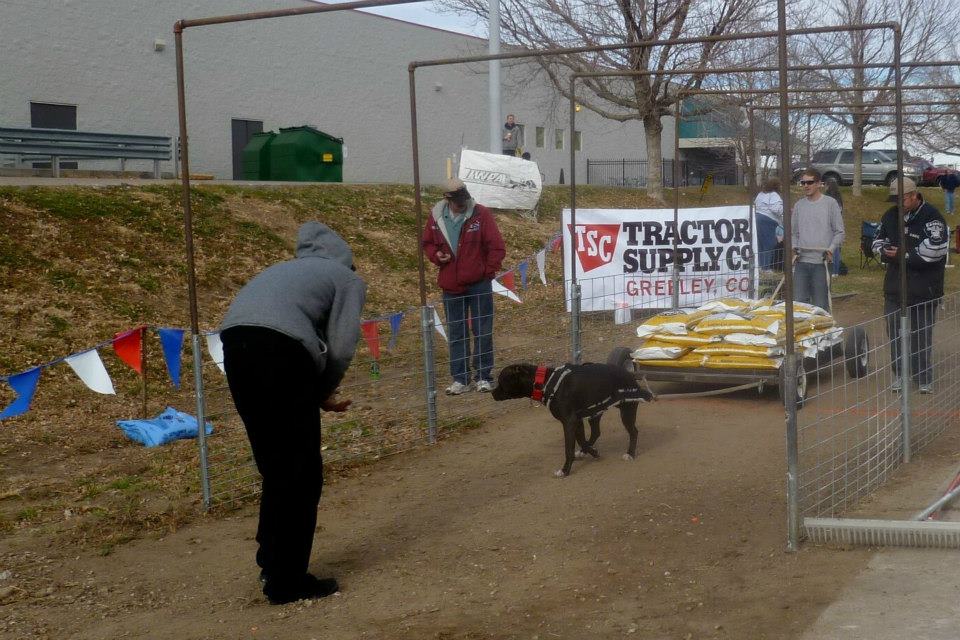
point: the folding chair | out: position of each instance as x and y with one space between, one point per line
868 231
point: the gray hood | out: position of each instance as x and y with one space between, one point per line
316 239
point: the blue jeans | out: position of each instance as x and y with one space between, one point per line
810 284
922 318
766 241
836 262
477 304
948 201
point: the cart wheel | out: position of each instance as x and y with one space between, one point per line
801 385
856 352
620 357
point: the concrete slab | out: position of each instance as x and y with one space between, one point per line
903 593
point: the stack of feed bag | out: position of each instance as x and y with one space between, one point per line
733 333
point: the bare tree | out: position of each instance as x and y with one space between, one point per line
547 24
926 36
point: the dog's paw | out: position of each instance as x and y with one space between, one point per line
559 473
580 454
628 457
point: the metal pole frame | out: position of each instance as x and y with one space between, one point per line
178 29
793 523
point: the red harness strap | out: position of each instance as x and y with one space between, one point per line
538 381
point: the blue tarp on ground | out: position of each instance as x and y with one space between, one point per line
168 426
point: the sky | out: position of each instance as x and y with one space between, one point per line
426 13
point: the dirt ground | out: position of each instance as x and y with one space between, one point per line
475 538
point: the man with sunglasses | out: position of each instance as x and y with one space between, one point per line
817 234
462 239
926 246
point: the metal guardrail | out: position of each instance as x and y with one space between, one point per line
60 144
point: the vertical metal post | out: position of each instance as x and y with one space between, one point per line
493 87
417 198
429 373
790 358
55 166
905 375
753 165
677 114
576 351
191 267
623 172
809 143
201 419
143 372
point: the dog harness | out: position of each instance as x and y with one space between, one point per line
543 391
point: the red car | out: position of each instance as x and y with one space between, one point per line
930 173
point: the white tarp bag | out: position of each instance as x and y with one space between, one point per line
499 181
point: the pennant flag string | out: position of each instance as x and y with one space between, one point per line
171 340
371 334
128 346
395 321
215 349
504 291
89 368
24 385
542 265
522 268
438 323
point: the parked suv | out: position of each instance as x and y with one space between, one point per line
878 167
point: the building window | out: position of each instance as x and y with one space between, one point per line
53 116
577 140
541 134
558 138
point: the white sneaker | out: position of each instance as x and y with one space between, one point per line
896 385
484 386
926 389
457 388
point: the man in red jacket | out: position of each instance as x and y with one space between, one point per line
462 239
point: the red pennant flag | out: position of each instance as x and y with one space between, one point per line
508 281
128 347
371 334
557 243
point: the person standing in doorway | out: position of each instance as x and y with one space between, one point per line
288 339
926 247
462 239
768 207
817 233
512 137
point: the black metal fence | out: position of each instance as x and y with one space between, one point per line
633 173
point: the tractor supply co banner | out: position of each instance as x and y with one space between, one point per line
499 181
625 256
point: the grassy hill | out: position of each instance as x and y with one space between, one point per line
79 264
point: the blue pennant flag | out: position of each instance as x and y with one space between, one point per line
522 268
24 384
395 321
172 342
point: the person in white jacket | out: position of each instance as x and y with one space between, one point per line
768 209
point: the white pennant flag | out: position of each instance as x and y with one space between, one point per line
542 265
502 290
215 349
438 324
89 367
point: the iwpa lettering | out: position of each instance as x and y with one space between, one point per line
596 244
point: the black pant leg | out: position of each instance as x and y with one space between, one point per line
891 309
273 381
923 317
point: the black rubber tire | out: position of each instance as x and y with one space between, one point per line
620 357
856 352
890 178
801 385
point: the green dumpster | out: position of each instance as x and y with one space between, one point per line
305 154
256 156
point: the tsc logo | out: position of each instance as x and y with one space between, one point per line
596 244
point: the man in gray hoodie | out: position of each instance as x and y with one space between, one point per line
817 235
288 339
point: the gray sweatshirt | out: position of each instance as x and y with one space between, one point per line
315 298
817 227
